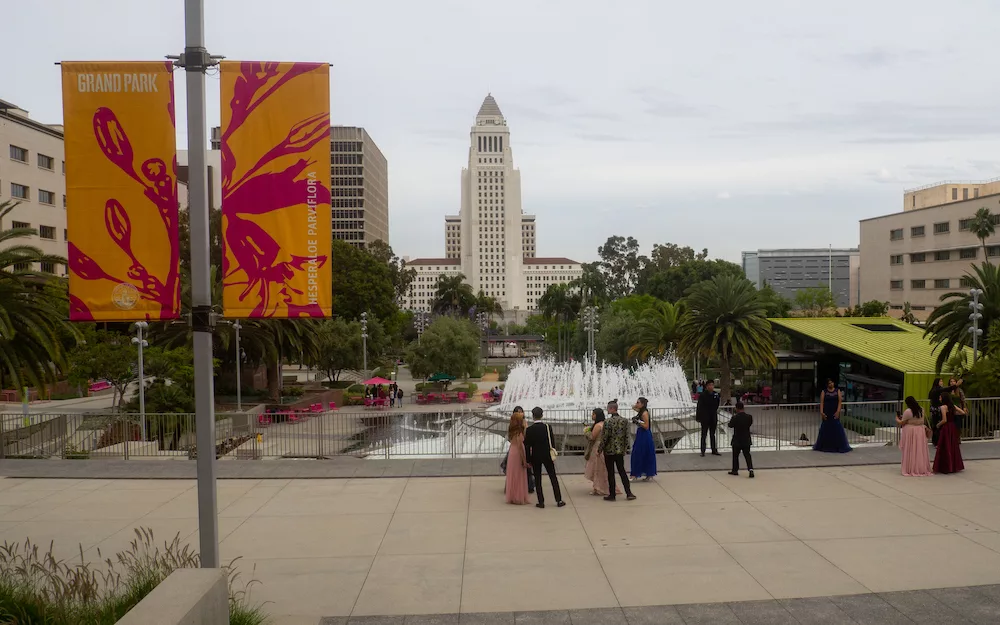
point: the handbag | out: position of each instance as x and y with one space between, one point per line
553 454
590 449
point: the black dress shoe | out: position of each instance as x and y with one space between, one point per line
715 453
560 504
751 472
609 498
702 454
539 505
630 497
735 472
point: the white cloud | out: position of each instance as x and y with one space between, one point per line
723 195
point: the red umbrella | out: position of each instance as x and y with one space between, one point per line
376 381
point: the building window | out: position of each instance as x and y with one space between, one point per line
48 267
965 282
942 283
965 193
46 162
20 191
19 224
917 231
968 253
993 250
47 232
945 255
975 193
895 285
18 154
942 228
896 235
896 259
954 193
64 201
917 284
918 257
46 197
964 224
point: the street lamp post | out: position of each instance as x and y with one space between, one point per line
140 342
421 324
590 323
364 343
239 364
975 316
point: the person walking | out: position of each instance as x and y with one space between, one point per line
948 458
539 450
740 425
596 469
643 449
615 441
516 489
913 440
399 397
707 414
831 438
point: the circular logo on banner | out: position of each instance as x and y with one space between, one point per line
125 296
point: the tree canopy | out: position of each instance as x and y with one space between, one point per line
448 345
817 301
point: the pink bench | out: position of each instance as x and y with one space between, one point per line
100 385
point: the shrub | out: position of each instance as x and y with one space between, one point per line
37 587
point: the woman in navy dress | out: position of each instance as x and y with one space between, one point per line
831 438
643 450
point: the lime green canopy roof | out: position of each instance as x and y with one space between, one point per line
904 350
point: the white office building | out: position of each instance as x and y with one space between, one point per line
491 241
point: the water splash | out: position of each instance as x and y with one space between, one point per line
586 384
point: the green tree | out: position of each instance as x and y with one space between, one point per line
593 288
635 304
815 301
775 305
615 338
674 282
448 345
726 321
489 305
562 303
339 347
453 296
33 311
948 324
361 283
657 331
873 308
983 225
105 356
400 276
621 265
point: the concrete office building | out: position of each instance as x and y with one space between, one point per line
790 270
34 174
920 254
359 187
491 241
949 191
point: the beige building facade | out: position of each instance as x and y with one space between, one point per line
949 191
918 255
359 187
33 173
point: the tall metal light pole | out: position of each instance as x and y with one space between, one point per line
484 327
590 323
421 324
239 364
195 60
364 343
140 342
975 316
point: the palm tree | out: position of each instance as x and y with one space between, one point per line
561 303
32 318
657 330
489 305
983 226
726 320
948 324
454 296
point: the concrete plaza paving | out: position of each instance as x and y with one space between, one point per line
338 548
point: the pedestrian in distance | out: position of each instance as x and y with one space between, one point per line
740 425
707 414
615 440
541 453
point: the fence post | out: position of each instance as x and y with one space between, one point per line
454 436
319 435
124 427
777 424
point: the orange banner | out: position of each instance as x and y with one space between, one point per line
276 190
121 188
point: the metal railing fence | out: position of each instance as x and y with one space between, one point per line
442 432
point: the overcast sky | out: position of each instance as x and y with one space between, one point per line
729 125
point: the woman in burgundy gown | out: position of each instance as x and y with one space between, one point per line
948 458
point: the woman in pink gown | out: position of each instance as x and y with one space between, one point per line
596 470
913 441
517 464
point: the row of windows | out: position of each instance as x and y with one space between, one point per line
347 171
346 146
348 225
940 283
490 143
44 161
967 253
23 192
351 214
491 160
44 232
347 159
349 236
349 192
942 227
347 202
965 193
347 182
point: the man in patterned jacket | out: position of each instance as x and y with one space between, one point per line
615 442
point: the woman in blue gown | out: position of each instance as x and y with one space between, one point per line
643 450
831 438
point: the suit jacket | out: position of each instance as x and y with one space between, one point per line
615 435
537 443
707 412
740 424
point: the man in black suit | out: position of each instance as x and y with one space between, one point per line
740 425
538 449
707 415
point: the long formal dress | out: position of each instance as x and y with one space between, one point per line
596 469
517 474
948 458
913 446
643 454
831 438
